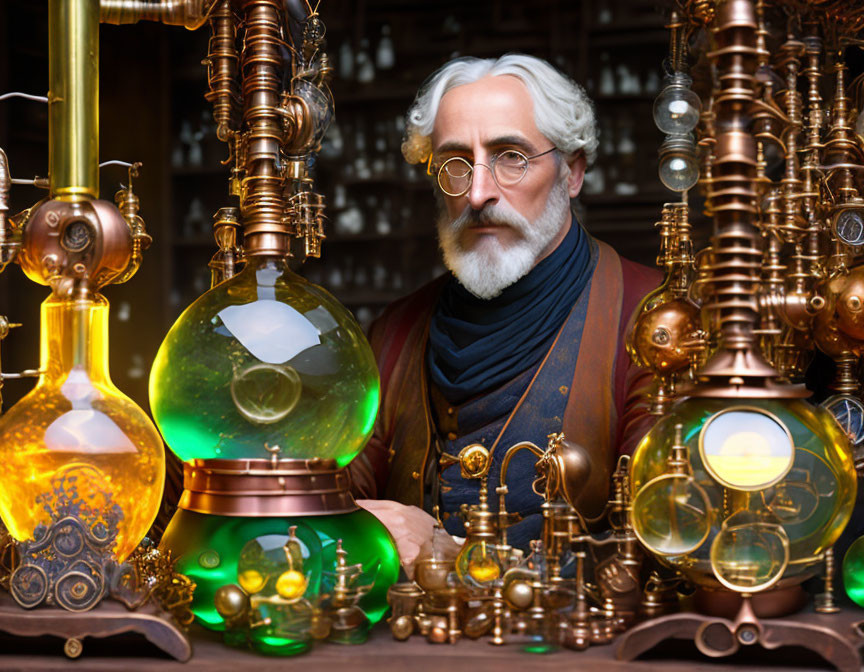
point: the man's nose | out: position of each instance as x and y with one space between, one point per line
483 189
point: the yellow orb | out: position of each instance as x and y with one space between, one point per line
484 569
291 584
252 581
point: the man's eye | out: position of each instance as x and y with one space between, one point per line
511 156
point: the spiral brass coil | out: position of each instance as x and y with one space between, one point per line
222 59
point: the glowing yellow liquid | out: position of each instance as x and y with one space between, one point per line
76 423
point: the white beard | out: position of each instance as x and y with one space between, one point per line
489 267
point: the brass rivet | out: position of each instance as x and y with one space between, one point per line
563 389
451 411
415 475
452 436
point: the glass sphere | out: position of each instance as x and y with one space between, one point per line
677 109
478 564
853 572
778 474
215 551
687 521
679 171
75 445
261 361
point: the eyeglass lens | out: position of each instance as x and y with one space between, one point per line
457 173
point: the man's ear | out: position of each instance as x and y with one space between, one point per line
577 165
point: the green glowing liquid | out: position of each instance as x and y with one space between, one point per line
265 359
853 572
208 548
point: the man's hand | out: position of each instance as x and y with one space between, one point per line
410 527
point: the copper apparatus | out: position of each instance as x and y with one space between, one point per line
490 590
738 322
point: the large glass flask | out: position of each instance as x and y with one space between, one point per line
76 427
263 362
767 487
266 387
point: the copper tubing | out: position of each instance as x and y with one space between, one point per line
735 264
222 60
262 66
189 13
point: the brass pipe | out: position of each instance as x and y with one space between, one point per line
262 208
191 14
73 98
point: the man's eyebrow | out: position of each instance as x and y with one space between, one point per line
518 140
500 141
454 146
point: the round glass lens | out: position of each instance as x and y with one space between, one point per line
510 167
746 449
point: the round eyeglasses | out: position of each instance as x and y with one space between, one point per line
508 168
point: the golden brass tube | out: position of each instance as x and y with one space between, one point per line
73 98
191 14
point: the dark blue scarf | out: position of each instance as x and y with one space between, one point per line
477 344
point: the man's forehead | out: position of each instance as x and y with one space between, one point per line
486 111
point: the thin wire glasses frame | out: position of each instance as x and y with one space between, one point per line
508 168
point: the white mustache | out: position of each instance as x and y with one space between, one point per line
497 214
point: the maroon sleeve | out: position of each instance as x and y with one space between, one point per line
632 383
388 336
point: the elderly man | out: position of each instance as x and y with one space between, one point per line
525 335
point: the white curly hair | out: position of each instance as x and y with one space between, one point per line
562 110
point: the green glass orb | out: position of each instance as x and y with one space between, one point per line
767 486
261 361
248 545
853 572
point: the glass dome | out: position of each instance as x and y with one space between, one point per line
265 360
768 486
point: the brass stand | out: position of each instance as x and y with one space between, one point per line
720 637
106 619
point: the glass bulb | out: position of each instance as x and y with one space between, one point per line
76 445
478 563
677 108
679 166
265 360
853 572
753 528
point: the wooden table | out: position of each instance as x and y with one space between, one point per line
383 654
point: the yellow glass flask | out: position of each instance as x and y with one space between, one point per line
76 429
